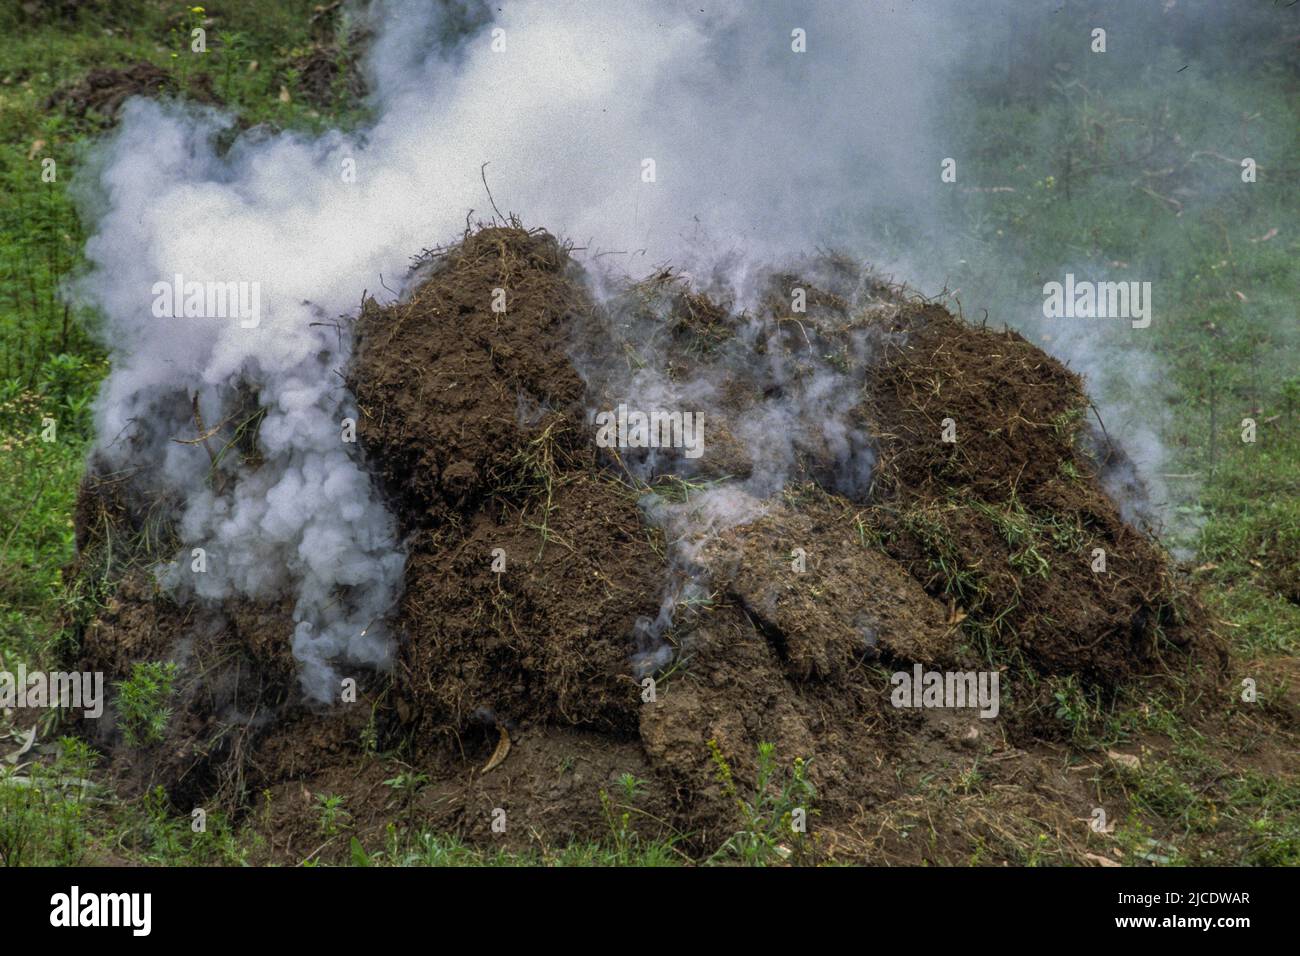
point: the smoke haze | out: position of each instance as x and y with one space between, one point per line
759 153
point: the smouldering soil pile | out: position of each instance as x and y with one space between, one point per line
976 554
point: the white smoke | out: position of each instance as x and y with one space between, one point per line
753 145
757 151
306 522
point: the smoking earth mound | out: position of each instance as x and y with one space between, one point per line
879 486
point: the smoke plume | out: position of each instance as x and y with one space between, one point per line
665 132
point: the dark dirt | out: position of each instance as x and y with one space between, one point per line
476 419
66 11
327 75
1006 519
968 556
102 92
453 393
330 71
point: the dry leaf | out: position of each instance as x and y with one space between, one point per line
26 745
1124 760
503 748
1100 860
955 614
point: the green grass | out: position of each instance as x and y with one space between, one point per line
36 534
1249 545
430 849
44 808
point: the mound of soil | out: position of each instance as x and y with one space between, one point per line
455 395
528 566
1010 520
538 575
54 11
102 91
328 74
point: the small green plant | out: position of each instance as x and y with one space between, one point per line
969 780
632 786
163 832
1073 706
370 734
1034 853
143 702
772 824
618 817
407 782
76 757
359 855
333 817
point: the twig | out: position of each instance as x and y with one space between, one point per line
482 171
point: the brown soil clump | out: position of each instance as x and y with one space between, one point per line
476 418
453 393
102 91
327 76
1009 521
